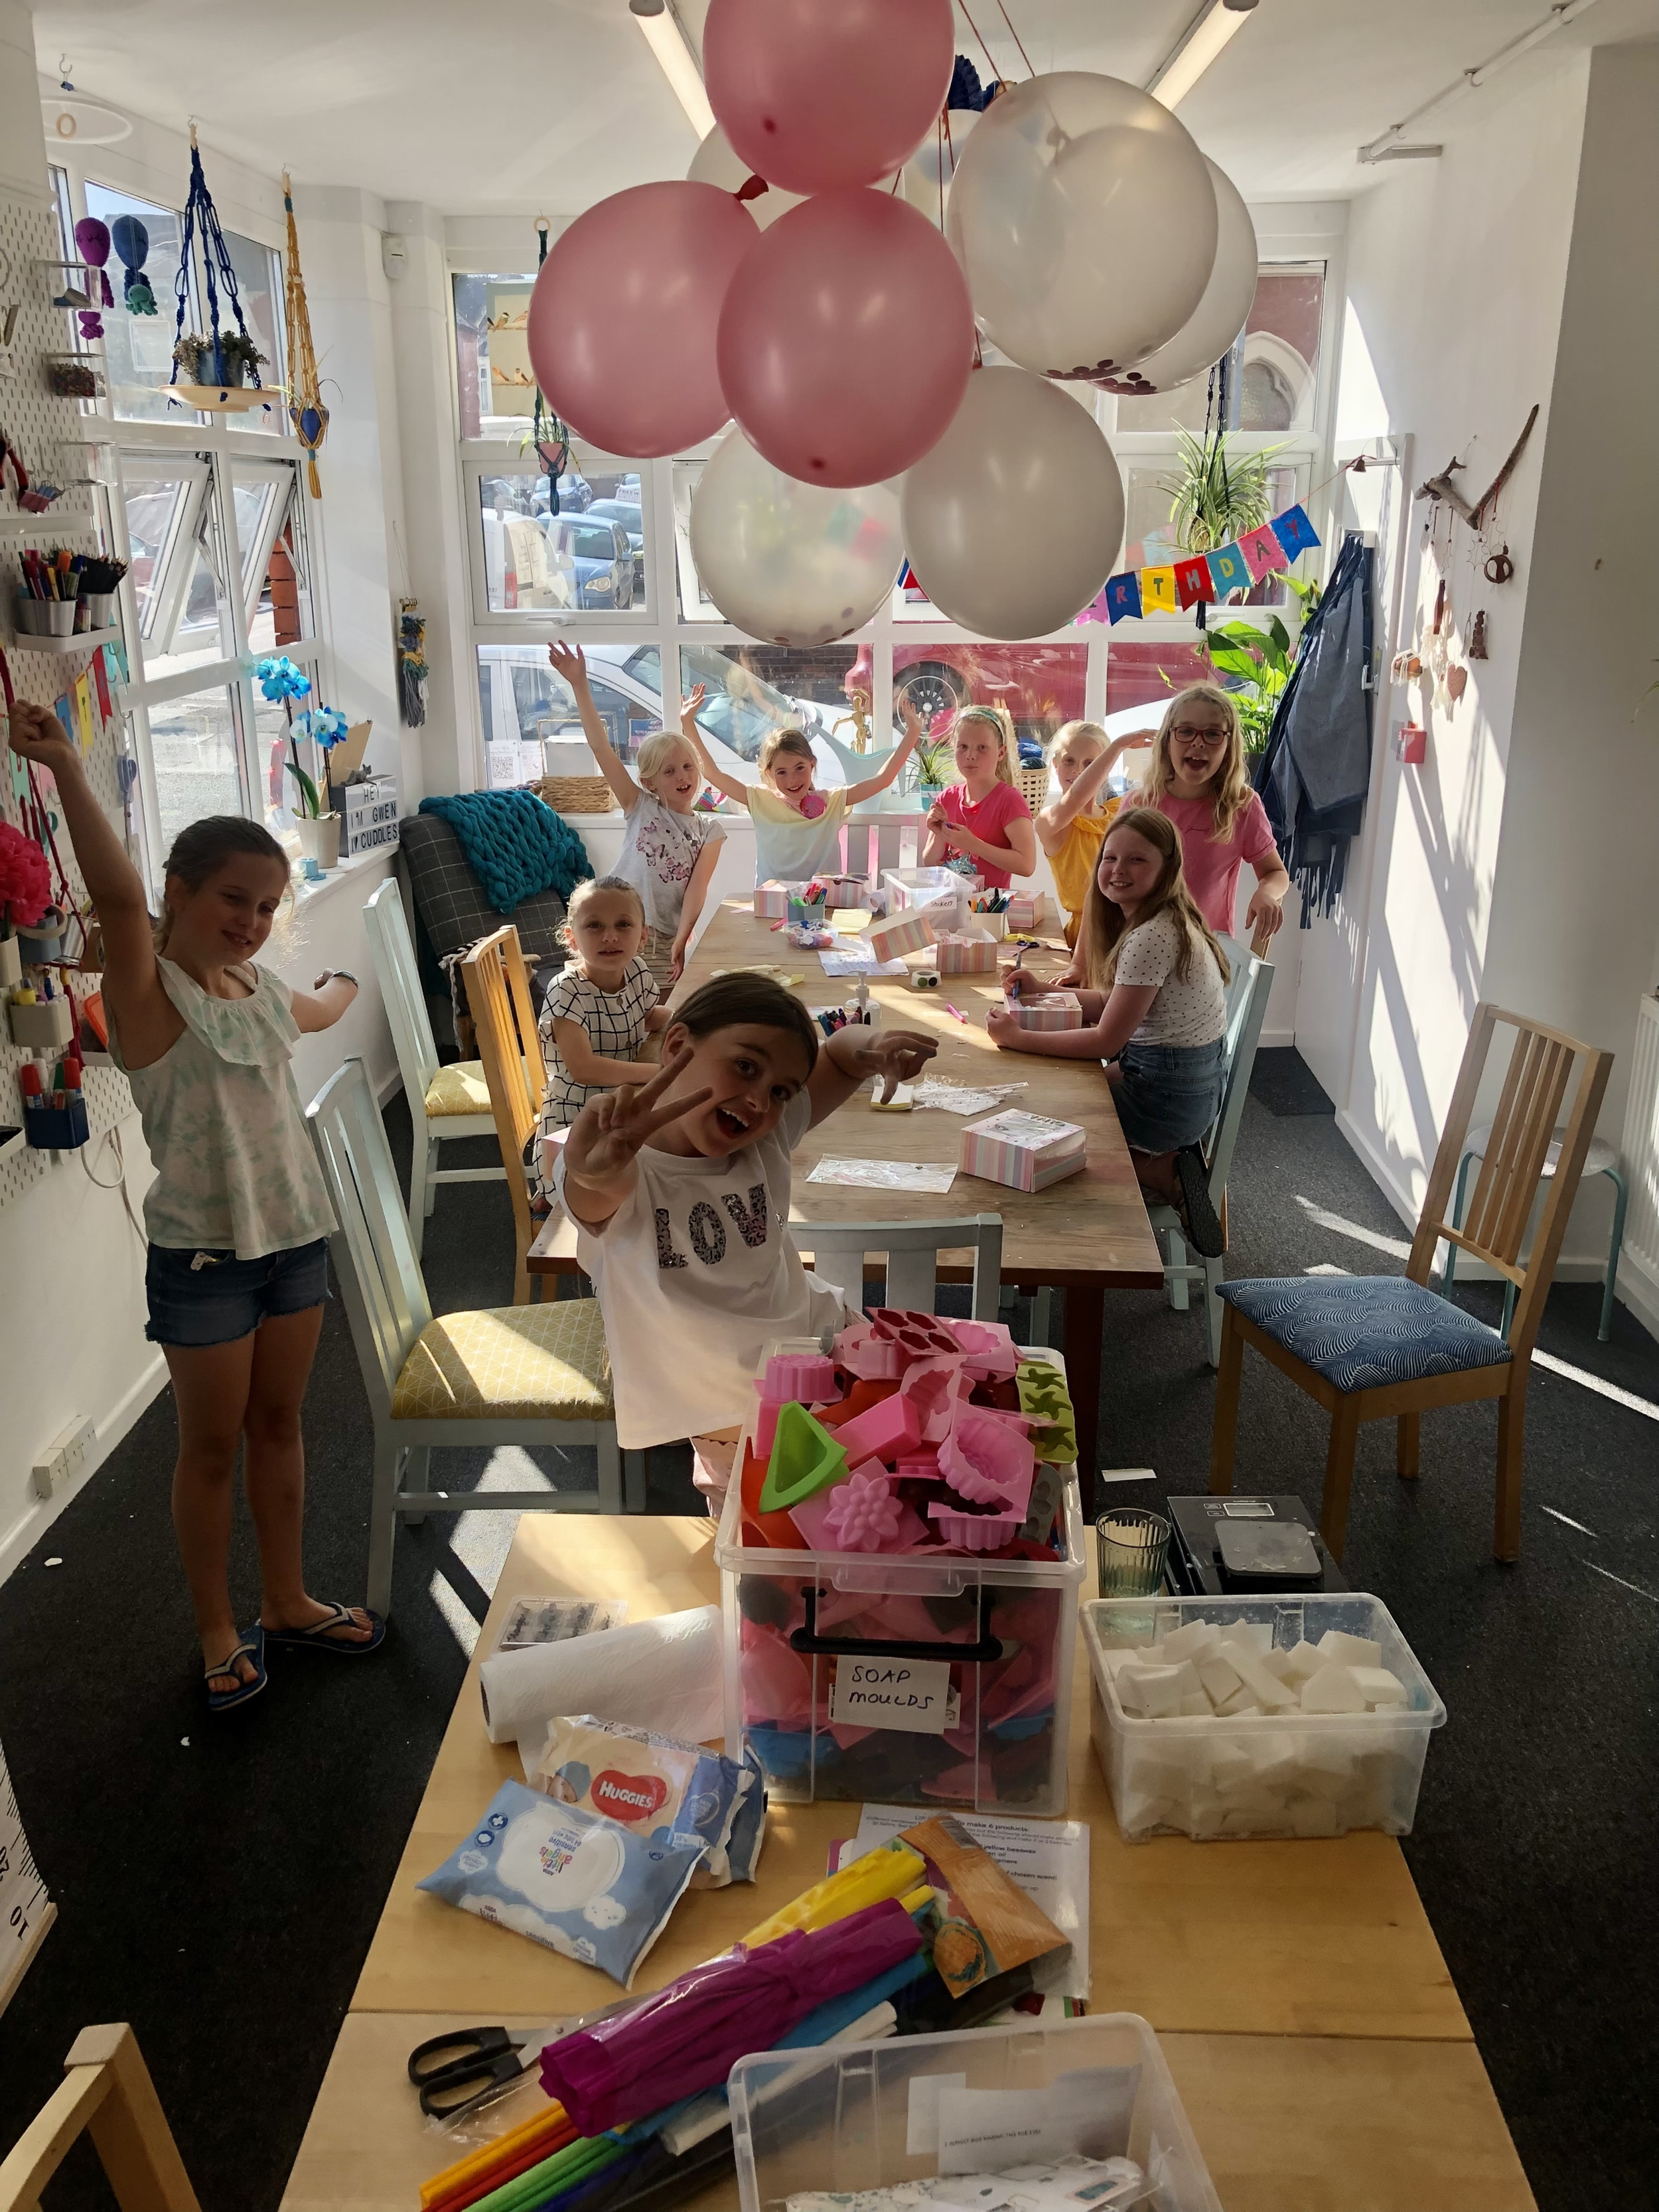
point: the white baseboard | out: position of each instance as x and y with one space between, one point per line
1275 1039
28 1532
1637 1291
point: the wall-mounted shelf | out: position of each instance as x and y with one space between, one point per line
72 643
50 524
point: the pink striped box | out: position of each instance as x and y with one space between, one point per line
772 899
910 932
1047 1010
962 955
1026 1151
1026 909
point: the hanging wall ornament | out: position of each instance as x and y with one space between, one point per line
551 437
1477 644
306 410
411 663
92 243
222 363
132 242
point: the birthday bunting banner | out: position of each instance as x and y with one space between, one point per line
1204 579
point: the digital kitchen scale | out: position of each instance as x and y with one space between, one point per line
1241 1546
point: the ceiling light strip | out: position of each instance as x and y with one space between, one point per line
1387 148
666 35
1200 44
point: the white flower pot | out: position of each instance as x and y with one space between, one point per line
319 838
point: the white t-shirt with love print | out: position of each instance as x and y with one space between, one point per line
697 1273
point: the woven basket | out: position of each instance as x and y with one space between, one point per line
1033 787
576 794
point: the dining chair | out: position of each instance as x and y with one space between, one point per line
510 1052
444 1102
1380 1347
1601 1159
106 2092
505 1375
839 1250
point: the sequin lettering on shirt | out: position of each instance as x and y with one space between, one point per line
750 1221
667 1255
707 1233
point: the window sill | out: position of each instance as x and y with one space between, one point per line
357 869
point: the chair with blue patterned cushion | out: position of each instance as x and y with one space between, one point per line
1371 1347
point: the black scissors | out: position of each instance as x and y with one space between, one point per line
458 2072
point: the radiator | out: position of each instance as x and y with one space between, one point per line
1641 1146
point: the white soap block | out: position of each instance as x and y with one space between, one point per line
1351 1651
1116 1657
1190 1642
1196 1707
1326 1770
1278 1662
1269 1692
1242 1701
1218 1678
1378 1686
1332 1690
1153 1655
1256 1635
1230 1768
1156 1690
1144 1816
1302 1659
1187 1679
1275 1763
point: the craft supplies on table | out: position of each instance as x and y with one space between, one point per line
930 1176
1025 1151
1046 1010
662 1674
666 1790
908 931
1316 1715
913 887
533 1621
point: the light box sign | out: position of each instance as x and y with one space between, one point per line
372 812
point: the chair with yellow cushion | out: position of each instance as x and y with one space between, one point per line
444 1102
519 1375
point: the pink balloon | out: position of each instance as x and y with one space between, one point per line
817 94
845 339
623 317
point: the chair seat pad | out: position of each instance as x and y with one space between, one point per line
1599 1158
459 1089
546 1362
1365 1331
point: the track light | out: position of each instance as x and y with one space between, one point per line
665 34
1215 24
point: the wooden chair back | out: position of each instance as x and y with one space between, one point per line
1542 1069
509 1045
105 2092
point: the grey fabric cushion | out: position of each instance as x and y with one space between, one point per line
451 902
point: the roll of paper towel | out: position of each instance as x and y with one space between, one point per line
663 1675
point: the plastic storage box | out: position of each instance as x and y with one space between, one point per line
1298 1774
1006 1629
840 2117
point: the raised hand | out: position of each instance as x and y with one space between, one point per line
693 699
569 661
606 1136
38 735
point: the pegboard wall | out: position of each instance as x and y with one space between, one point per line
46 430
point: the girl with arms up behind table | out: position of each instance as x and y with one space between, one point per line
1155 1008
797 826
983 820
238 1216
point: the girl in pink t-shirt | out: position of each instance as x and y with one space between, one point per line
1198 778
983 818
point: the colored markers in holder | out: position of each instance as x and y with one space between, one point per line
54 1121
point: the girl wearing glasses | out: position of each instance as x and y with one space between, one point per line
1198 778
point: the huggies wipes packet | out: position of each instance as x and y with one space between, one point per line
660 1787
582 1885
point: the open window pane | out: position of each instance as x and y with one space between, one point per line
1041 685
523 704
264 495
138 349
177 567
192 743
258 277
590 555
492 357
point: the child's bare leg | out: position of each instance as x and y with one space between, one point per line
283 1349
209 1392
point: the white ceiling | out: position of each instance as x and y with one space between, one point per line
521 106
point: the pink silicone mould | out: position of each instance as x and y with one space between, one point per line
807 1377
974 1532
984 1460
872 1359
861 1513
883 1431
988 1344
933 1386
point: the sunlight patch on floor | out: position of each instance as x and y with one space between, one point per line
1340 1225
458 1622
1582 1375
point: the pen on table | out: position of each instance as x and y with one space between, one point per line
956 1010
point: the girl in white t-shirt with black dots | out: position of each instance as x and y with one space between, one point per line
1155 1010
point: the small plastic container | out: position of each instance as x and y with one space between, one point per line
841 2116
1291 1775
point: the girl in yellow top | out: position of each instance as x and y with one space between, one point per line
1070 828
797 826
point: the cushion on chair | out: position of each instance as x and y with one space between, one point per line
544 1363
1365 1331
1599 1158
459 1089
452 905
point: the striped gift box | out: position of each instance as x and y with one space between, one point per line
1047 1010
1026 1151
910 931
772 899
967 956
1026 909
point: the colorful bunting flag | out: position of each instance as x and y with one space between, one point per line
1192 580
1157 591
1229 571
115 661
1262 551
101 684
1122 596
63 713
1295 532
83 709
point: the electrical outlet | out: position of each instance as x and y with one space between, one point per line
66 1455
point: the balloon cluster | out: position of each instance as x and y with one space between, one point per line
790 287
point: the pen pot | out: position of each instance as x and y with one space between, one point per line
58 1128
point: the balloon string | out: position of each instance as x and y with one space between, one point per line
1014 35
939 131
983 48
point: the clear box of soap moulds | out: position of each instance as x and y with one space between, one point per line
1256 1775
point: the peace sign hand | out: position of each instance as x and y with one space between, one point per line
606 1136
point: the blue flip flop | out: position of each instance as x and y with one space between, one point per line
253 1646
317 1637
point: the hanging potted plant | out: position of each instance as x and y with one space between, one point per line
1219 494
238 355
933 759
190 350
25 896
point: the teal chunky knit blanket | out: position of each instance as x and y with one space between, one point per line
515 844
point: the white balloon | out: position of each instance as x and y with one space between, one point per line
1221 313
714 163
1014 520
1085 222
792 564
923 170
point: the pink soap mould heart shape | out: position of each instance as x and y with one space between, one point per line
921 1335
872 1359
989 1347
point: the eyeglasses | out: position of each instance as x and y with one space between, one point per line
1187 734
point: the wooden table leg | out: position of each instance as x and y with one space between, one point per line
1085 1323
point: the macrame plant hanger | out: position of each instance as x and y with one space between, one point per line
306 410
552 441
215 268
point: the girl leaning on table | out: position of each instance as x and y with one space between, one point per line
238 1217
1155 1009
983 821
797 826
680 1188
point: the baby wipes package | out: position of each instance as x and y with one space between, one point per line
660 1787
583 1885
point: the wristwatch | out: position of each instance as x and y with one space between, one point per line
342 976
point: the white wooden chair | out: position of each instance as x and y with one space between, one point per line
521 1375
1247 992
838 1250
105 2092
444 1102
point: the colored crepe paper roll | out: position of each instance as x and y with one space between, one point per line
662 1674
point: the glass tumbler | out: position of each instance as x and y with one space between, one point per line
1131 1544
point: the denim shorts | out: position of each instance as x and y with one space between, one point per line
1168 1095
198 1298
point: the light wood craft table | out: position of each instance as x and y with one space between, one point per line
1314 2031
1086 1235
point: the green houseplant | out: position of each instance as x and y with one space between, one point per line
932 761
1254 664
1218 493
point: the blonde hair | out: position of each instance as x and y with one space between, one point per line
785 741
1102 929
655 753
1003 723
1072 733
585 891
1230 784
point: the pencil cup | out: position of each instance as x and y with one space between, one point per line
29 618
60 616
101 609
1132 1544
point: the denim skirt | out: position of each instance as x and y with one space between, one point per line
1168 1095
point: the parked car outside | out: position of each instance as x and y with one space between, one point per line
602 555
630 516
1042 686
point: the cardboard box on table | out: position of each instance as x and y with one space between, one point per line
1025 1151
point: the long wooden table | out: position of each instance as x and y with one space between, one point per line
1087 1235
1315 2034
